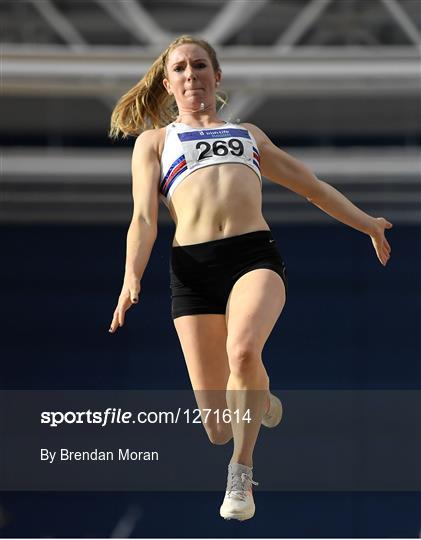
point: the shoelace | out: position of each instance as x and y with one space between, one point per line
239 485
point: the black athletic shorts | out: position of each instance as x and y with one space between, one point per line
202 275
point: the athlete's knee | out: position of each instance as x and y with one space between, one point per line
243 357
219 435
220 438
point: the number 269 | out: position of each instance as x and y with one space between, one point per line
220 148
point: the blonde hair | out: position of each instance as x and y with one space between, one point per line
147 104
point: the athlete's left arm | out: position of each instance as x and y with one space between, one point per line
282 168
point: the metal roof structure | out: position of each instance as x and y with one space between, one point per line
303 70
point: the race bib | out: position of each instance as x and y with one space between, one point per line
217 146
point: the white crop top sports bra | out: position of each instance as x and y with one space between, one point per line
187 149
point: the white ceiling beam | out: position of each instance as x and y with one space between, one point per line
403 20
232 17
259 76
108 71
136 19
75 165
97 61
59 23
96 177
302 22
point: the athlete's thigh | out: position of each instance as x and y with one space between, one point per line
254 305
203 341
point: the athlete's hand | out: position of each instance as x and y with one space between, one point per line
129 295
381 245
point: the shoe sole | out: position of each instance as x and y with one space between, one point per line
281 414
238 517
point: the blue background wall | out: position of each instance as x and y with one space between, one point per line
349 323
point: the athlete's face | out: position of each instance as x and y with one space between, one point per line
191 77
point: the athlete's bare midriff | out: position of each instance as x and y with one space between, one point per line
216 202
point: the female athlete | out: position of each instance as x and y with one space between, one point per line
228 279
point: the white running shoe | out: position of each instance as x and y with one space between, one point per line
238 501
274 415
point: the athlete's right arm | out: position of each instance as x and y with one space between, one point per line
143 228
